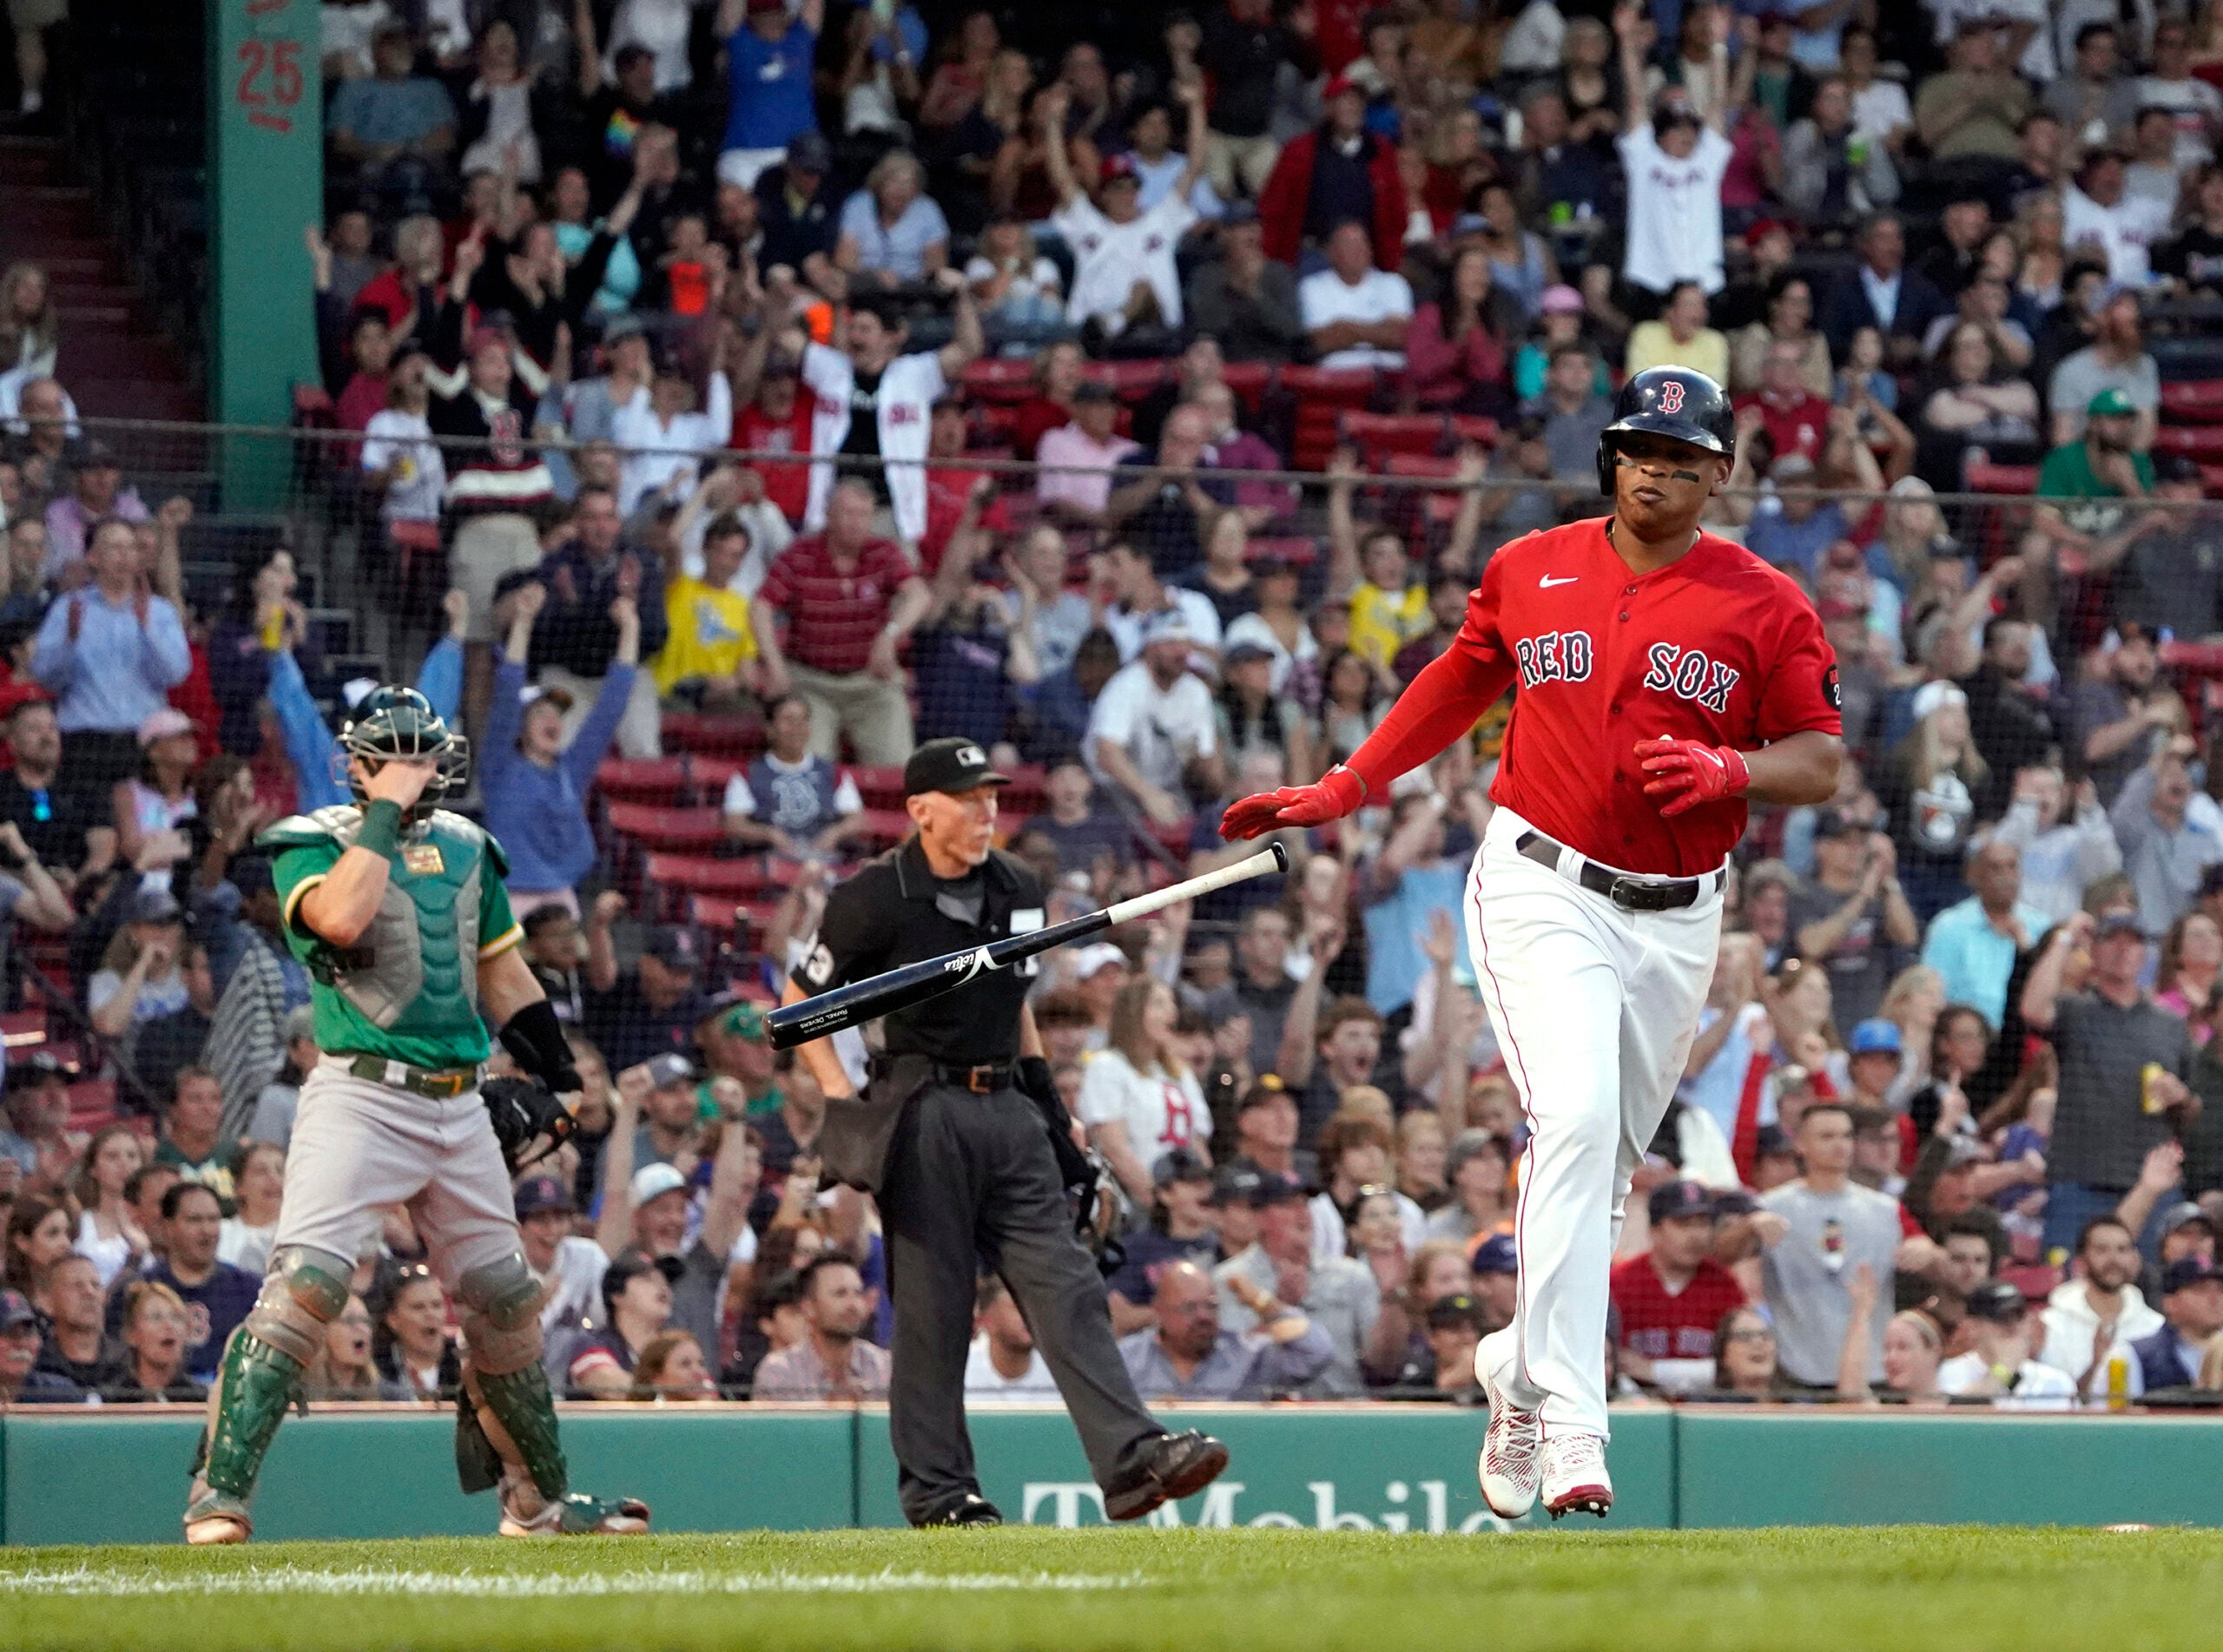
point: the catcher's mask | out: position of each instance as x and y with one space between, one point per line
394 722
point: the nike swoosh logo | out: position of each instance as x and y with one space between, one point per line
1547 581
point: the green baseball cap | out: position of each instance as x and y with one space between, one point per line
2109 404
730 1013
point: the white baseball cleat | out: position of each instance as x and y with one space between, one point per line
1575 1475
1507 1466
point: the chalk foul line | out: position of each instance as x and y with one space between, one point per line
84 1581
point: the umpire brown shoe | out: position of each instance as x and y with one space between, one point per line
1175 1466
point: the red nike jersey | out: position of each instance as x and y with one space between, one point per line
1716 647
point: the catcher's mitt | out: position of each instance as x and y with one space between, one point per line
529 1121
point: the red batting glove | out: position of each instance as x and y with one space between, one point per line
1338 792
1690 772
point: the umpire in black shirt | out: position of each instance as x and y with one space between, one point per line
952 1134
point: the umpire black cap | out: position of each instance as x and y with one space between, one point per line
951 765
1680 403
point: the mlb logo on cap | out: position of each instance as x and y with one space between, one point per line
949 765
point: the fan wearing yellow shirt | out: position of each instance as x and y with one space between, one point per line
710 657
1389 608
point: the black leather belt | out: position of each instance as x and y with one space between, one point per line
984 1080
1632 894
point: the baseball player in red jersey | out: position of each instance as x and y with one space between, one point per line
1666 678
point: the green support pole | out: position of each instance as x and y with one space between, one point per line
266 185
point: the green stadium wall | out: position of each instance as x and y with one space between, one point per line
114 1476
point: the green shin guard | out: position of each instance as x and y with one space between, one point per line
253 1387
477 1464
519 1400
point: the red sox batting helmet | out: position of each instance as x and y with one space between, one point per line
1677 402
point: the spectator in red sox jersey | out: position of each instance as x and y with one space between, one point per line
1672 1296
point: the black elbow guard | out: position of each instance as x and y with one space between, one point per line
535 1040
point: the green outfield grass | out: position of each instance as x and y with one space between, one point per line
1946 1589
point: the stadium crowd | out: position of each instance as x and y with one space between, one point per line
682 363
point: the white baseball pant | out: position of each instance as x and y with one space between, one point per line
1596 1007
359 1147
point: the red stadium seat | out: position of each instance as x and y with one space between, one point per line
23 1030
641 779
2193 659
999 379
2013 481
2192 401
1331 386
667 831
885 828
1434 504
1297 551
691 730
706 875
2194 441
1322 394
880 784
730 922
1130 380
2036 1281
715 913
1375 435
1175 839
1025 794
1468 427
1249 380
92 1104
1420 464
709 775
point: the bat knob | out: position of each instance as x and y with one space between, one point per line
1281 856
782 1028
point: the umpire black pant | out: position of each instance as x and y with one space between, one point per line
972 1182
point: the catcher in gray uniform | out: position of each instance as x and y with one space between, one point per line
398 910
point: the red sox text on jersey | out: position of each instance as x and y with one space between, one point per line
1716 647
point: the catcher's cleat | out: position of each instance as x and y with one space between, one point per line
1507 1466
1575 1481
1176 1466
217 1517
580 1516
